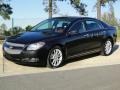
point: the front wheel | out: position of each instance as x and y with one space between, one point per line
55 57
107 47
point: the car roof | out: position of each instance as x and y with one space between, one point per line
74 18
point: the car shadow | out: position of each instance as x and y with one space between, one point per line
87 56
115 48
80 58
29 64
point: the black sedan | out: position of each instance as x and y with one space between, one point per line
55 40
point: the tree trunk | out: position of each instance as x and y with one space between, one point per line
111 8
50 8
12 26
98 10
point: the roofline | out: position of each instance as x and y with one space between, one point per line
76 17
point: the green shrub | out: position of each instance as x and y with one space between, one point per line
2 37
118 34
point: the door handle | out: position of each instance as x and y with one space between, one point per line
86 35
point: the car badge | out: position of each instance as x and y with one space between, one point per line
11 47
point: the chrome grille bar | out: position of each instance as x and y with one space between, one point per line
12 51
15 44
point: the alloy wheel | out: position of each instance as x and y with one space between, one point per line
55 57
108 47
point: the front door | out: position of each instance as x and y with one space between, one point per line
76 39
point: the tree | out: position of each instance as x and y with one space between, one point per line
106 18
111 9
4 31
110 19
102 3
51 7
16 30
28 28
80 7
5 10
7 33
3 28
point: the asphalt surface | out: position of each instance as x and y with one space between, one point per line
94 78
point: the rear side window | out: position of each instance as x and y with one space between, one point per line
79 27
92 25
105 25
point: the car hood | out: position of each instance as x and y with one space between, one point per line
31 37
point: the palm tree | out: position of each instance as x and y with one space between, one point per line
79 7
5 10
51 7
98 9
102 3
111 8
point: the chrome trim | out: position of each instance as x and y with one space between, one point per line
12 51
15 44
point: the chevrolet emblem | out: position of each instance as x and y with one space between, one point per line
11 47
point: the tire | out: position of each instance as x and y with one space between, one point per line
107 47
55 57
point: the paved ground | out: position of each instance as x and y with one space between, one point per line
84 62
95 78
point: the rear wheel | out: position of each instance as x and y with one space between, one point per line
55 57
107 47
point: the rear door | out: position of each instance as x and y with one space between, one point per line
95 33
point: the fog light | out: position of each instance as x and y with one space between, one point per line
30 60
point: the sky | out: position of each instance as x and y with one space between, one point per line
32 11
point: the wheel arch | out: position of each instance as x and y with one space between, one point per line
109 37
103 43
62 48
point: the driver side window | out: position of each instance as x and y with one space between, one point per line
78 27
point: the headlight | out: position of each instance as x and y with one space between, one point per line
35 46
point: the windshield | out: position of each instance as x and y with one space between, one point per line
57 25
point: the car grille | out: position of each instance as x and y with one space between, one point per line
15 44
13 48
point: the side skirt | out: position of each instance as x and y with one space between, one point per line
85 53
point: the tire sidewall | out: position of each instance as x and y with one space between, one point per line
49 64
103 50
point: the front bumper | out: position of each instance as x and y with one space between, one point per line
27 56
